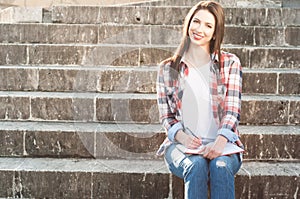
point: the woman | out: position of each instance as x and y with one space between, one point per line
199 100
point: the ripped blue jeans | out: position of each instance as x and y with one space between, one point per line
197 172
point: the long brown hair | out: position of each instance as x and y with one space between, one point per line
215 44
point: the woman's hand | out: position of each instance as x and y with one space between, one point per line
189 141
216 149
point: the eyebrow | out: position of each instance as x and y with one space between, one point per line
204 21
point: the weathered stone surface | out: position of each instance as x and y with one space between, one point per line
167 15
47 54
21 14
9 33
267 187
69 14
242 53
47 184
73 34
109 55
14 107
11 143
269 36
125 185
292 35
261 147
6 183
294 116
177 187
128 81
239 35
127 110
259 83
51 108
18 79
59 144
153 56
68 80
124 34
126 145
289 83
265 112
12 54
275 58
166 35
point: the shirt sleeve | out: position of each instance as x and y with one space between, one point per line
167 108
232 103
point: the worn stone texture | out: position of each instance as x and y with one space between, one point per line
275 58
131 185
124 34
269 36
59 144
17 79
289 83
66 184
62 55
153 56
259 83
126 110
21 14
14 108
6 183
239 35
74 109
68 80
128 81
265 112
11 143
73 34
270 147
292 35
12 54
123 145
294 116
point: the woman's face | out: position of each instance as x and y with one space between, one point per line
202 28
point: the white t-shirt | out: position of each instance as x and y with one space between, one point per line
196 104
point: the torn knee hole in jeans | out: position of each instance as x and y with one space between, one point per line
221 163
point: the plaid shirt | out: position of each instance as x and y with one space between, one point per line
225 89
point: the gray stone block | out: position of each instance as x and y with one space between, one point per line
269 36
69 14
56 108
21 14
72 34
53 55
59 144
259 83
265 112
68 80
14 107
289 83
12 54
239 35
11 143
294 116
18 79
275 58
292 35
125 185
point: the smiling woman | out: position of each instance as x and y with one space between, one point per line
199 100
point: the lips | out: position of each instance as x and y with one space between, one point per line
197 36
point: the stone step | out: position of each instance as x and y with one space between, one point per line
134 55
170 15
140 34
73 178
227 3
130 141
130 108
130 79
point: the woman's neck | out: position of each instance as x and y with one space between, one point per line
197 56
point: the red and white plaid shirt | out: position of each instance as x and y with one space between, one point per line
225 89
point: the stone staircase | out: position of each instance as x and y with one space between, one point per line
78 105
